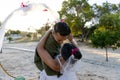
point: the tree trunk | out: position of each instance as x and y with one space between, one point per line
106 54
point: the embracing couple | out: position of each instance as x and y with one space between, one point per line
54 57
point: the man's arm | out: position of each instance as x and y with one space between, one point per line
72 40
45 56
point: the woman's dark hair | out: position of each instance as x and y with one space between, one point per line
62 28
69 49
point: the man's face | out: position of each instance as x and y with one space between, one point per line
60 38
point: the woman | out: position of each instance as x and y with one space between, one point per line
69 54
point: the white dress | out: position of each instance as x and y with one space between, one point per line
67 71
44 76
68 75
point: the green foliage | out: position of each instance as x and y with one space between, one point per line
9 32
29 35
76 13
75 33
105 38
110 21
105 8
108 33
9 38
43 29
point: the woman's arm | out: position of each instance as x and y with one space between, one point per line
45 56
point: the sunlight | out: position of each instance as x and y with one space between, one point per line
36 17
33 15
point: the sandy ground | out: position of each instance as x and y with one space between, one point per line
18 58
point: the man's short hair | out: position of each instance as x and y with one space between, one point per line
62 28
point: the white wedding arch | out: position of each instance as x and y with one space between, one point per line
31 14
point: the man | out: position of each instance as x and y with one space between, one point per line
52 47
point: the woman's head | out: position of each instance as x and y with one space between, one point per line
68 50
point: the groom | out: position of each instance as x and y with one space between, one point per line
52 47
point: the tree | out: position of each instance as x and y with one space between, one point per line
105 8
76 13
9 38
108 33
104 39
111 22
